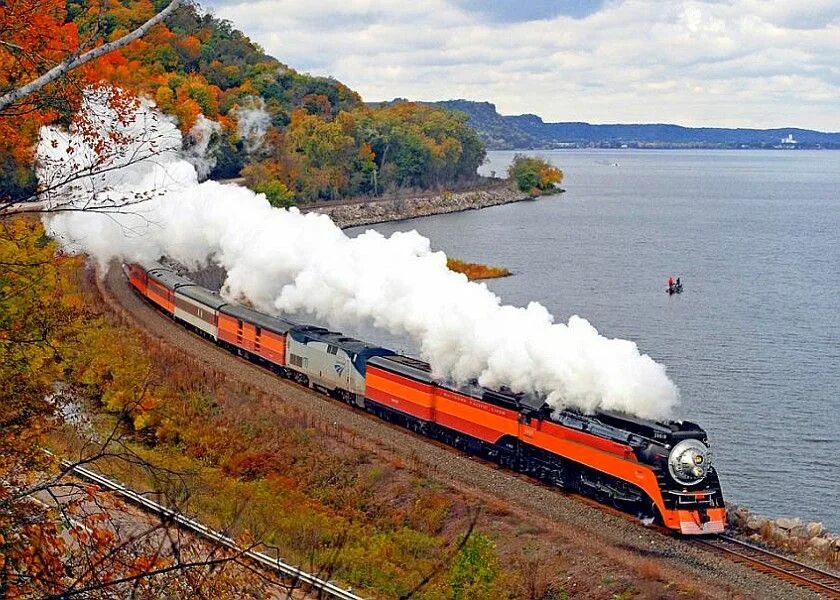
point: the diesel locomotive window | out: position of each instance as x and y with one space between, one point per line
298 361
332 349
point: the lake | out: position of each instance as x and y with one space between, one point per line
754 341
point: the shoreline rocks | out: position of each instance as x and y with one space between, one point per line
786 533
380 210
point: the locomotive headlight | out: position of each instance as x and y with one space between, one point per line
689 462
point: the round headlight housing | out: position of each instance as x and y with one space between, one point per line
689 462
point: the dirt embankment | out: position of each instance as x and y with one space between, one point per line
599 554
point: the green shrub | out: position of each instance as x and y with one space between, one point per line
277 193
534 175
476 572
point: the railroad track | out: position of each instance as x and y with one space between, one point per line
325 589
765 561
795 573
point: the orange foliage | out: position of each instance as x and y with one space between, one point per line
189 46
475 271
35 38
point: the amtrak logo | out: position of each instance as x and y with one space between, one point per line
339 369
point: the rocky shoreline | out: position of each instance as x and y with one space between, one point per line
380 210
789 534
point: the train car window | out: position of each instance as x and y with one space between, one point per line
239 323
299 361
332 349
258 330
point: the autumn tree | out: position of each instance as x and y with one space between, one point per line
416 145
46 65
61 538
534 175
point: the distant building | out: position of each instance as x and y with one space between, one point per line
788 141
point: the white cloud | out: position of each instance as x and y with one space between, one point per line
715 62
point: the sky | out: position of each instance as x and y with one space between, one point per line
729 63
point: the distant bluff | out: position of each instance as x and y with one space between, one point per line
529 131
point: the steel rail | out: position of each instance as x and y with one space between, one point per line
327 588
822 582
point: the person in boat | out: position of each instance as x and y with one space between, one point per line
679 284
670 285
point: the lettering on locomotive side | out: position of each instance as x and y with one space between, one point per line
473 402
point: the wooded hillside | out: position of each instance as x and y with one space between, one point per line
299 138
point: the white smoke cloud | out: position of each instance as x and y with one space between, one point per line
252 122
198 143
293 263
100 158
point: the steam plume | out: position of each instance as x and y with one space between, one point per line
293 263
198 143
252 121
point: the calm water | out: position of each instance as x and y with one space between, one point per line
753 343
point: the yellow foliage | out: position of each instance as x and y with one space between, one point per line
475 271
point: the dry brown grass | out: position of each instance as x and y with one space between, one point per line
650 570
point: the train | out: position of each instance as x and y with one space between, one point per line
659 470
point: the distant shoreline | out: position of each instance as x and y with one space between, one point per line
508 132
657 147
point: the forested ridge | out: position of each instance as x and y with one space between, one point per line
296 137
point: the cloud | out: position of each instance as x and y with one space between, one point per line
697 62
515 11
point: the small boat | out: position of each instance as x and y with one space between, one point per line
676 288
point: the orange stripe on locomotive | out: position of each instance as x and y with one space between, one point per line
605 456
400 393
472 416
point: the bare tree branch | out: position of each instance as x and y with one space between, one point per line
73 62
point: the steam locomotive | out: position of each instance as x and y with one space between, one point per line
657 470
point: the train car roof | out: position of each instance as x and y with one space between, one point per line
275 324
202 295
522 401
168 278
335 338
422 371
154 265
404 365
